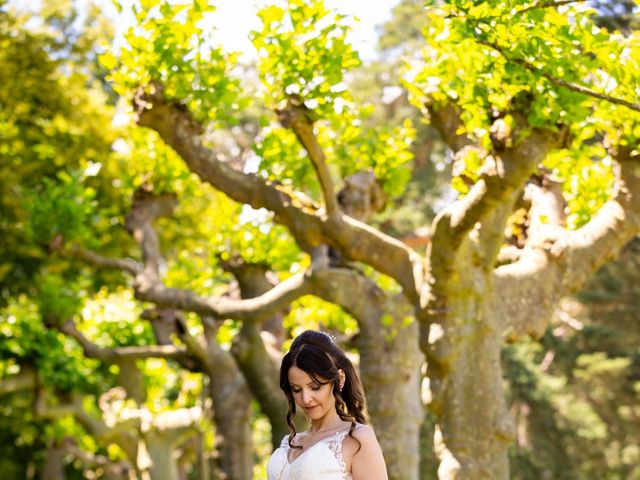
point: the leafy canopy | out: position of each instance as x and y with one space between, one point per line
550 62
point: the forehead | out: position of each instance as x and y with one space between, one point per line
298 376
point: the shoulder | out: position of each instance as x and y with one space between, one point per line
365 461
364 434
362 438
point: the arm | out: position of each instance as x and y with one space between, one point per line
367 463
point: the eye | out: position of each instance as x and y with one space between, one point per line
315 388
295 390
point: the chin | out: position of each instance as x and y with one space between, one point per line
315 413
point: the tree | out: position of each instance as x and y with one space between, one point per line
528 131
514 99
571 392
57 134
503 115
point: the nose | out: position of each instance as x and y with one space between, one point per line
306 397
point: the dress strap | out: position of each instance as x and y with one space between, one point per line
335 445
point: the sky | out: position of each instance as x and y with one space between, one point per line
237 18
234 20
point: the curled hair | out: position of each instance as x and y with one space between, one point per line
316 354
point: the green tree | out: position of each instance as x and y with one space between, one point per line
530 131
573 394
503 116
57 134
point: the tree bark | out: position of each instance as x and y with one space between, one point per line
262 375
160 448
53 468
465 375
390 361
232 416
249 350
354 239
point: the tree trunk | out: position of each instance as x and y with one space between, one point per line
474 428
160 449
53 468
390 361
261 372
262 376
428 460
232 418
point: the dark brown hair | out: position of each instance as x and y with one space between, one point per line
317 354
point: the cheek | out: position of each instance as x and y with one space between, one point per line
327 396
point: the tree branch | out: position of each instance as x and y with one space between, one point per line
114 354
355 240
296 116
618 221
526 293
547 213
353 292
93 426
147 207
574 87
560 261
126 264
25 379
149 286
446 120
113 469
500 179
252 309
197 348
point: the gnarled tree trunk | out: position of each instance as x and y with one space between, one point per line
232 417
390 363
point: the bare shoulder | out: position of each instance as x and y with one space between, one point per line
360 437
364 434
363 455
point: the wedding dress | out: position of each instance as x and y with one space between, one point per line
321 461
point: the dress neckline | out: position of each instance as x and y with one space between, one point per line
322 440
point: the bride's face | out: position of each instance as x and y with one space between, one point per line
314 398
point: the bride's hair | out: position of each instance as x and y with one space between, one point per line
317 354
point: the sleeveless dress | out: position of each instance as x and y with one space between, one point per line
322 461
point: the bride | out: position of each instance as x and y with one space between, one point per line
317 377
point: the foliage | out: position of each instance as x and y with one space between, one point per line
63 182
66 210
171 45
44 106
303 51
58 359
575 394
495 58
68 174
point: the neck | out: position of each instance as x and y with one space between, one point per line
326 423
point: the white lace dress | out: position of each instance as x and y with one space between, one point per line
322 461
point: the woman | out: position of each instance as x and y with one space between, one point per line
317 377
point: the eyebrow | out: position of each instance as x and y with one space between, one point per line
310 383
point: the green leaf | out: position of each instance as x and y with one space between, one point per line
108 61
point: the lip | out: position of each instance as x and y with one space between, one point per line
310 408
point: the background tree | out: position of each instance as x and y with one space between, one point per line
297 218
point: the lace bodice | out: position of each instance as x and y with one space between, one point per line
322 461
